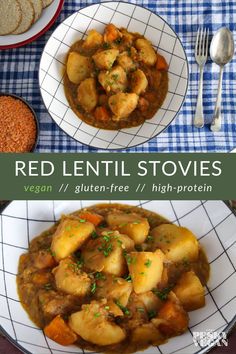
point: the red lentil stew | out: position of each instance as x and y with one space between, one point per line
113 278
116 79
18 130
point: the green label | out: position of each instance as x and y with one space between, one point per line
117 176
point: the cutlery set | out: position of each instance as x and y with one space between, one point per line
221 53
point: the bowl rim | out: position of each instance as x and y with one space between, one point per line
34 147
148 139
205 350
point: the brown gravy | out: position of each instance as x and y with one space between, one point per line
33 296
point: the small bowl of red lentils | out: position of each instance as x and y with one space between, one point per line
19 127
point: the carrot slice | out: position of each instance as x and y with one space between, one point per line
60 332
111 33
95 219
161 63
101 114
41 278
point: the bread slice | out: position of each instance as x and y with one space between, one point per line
46 3
27 16
38 8
11 15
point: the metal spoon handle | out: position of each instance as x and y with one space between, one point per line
216 123
199 118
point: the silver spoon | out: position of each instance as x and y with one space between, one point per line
221 52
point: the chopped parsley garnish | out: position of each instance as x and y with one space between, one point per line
48 286
123 224
151 314
148 263
128 278
94 235
93 288
82 220
97 314
162 294
131 260
107 238
120 243
118 40
110 232
76 267
123 308
51 252
150 238
107 308
136 222
125 253
106 248
106 45
142 273
102 225
68 228
140 309
99 276
115 77
80 263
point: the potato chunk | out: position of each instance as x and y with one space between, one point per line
126 62
176 242
87 94
132 225
122 104
146 52
190 291
176 319
93 40
78 67
146 334
145 269
151 302
71 279
93 325
105 59
106 253
69 236
114 80
139 82
115 288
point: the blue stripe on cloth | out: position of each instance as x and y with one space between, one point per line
19 75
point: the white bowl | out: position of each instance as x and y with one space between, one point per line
135 19
213 223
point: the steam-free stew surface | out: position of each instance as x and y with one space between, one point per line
125 92
40 283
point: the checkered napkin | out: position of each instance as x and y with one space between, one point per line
19 75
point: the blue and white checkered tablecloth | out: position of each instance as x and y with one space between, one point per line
19 75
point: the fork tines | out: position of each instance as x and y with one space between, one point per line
202 41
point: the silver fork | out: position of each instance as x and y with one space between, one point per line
201 54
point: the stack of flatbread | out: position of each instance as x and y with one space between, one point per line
17 16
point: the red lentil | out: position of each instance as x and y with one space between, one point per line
17 126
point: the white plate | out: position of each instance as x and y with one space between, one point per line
134 18
49 15
23 220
